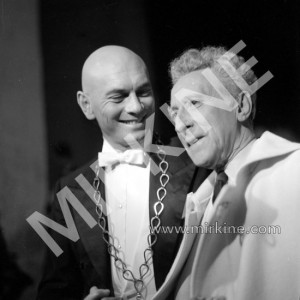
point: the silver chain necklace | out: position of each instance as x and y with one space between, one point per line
155 222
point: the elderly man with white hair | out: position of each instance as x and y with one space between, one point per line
245 243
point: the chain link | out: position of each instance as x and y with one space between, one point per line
155 222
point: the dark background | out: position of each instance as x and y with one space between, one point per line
158 31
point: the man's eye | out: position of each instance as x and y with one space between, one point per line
196 103
145 93
117 97
172 113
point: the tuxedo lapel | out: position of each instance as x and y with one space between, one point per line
192 220
167 244
193 217
91 238
180 259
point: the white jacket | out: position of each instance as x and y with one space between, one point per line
235 266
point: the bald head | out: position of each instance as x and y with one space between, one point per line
117 92
108 60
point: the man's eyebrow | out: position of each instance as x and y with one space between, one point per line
116 91
145 86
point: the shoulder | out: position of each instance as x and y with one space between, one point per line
86 170
290 164
71 182
274 145
275 180
279 152
269 149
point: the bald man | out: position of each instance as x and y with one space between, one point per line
117 93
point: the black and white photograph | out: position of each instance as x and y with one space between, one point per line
149 150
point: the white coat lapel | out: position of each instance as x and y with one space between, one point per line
230 209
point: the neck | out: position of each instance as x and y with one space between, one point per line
246 136
122 148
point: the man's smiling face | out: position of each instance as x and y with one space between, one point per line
207 131
121 99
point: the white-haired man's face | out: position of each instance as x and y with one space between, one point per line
205 122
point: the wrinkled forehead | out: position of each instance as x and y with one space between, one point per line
194 82
202 86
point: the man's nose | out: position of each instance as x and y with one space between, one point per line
183 121
134 104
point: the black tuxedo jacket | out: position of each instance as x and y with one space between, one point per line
86 263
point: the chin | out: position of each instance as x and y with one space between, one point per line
200 160
195 158
138 136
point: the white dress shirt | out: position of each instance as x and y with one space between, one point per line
127 196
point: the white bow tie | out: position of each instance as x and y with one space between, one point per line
131 156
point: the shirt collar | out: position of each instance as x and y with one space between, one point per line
107 147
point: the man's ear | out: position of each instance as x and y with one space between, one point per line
85 104
245 106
